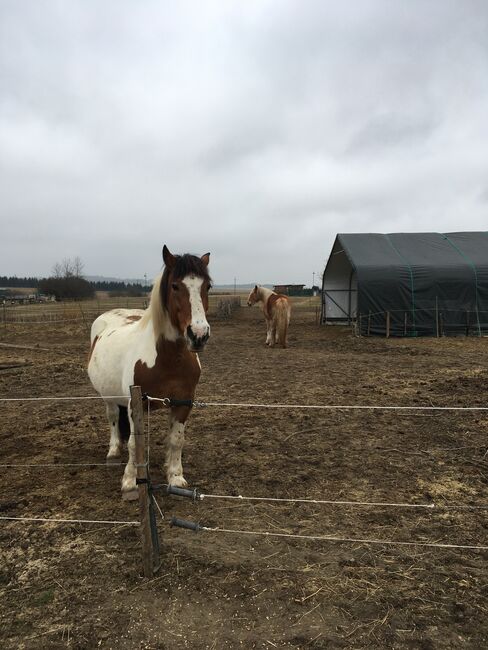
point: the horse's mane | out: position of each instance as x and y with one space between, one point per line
157 311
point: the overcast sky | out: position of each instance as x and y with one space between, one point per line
255 130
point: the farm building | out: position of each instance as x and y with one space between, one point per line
408 284
289 289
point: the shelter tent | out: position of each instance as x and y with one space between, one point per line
408 284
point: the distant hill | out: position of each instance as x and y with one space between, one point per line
104 278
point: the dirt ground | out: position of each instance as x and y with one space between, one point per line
79 585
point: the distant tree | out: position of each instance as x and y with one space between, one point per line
66 282
78 267
69 288
57 271
68 268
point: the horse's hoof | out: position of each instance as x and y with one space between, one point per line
177 481
130 495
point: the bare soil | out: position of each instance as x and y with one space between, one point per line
79 585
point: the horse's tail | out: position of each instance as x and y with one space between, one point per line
124 424
283 312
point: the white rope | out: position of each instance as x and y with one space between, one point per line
62 465
429 506
157 506
167 400
320 501
60 398
69 521
346 407
327 538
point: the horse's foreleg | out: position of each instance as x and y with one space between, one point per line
115 446
176 440
129 487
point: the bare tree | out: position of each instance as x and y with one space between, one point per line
78 267
57 271
68 268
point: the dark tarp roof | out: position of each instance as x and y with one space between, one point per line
429 282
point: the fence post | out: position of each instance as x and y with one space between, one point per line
387 324
142 480
83 317
437 316
369 322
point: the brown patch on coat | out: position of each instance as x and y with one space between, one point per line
92 348
175 374
132 319
272 300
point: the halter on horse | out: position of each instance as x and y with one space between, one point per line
155 349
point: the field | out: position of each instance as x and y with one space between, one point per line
79 585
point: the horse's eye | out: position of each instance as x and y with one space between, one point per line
175 286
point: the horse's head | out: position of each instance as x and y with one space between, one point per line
253 297
184 293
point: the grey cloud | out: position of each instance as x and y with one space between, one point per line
253 130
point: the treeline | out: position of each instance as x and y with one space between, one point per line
130 288
14 281
70 287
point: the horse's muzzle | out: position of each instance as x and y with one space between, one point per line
196 343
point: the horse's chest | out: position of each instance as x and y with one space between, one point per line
174 374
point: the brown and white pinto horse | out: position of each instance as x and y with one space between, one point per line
155 349
277 311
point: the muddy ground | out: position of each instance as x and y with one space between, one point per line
80 585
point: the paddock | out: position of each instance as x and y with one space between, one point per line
81 584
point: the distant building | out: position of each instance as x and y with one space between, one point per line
290 289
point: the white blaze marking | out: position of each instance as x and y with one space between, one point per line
199 323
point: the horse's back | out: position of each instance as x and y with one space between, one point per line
114 319
277 303
113 343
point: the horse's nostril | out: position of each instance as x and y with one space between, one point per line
195 339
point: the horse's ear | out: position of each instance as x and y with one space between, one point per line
169 258
255 287
205 258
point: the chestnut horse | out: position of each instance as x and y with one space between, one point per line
155 349
277 311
